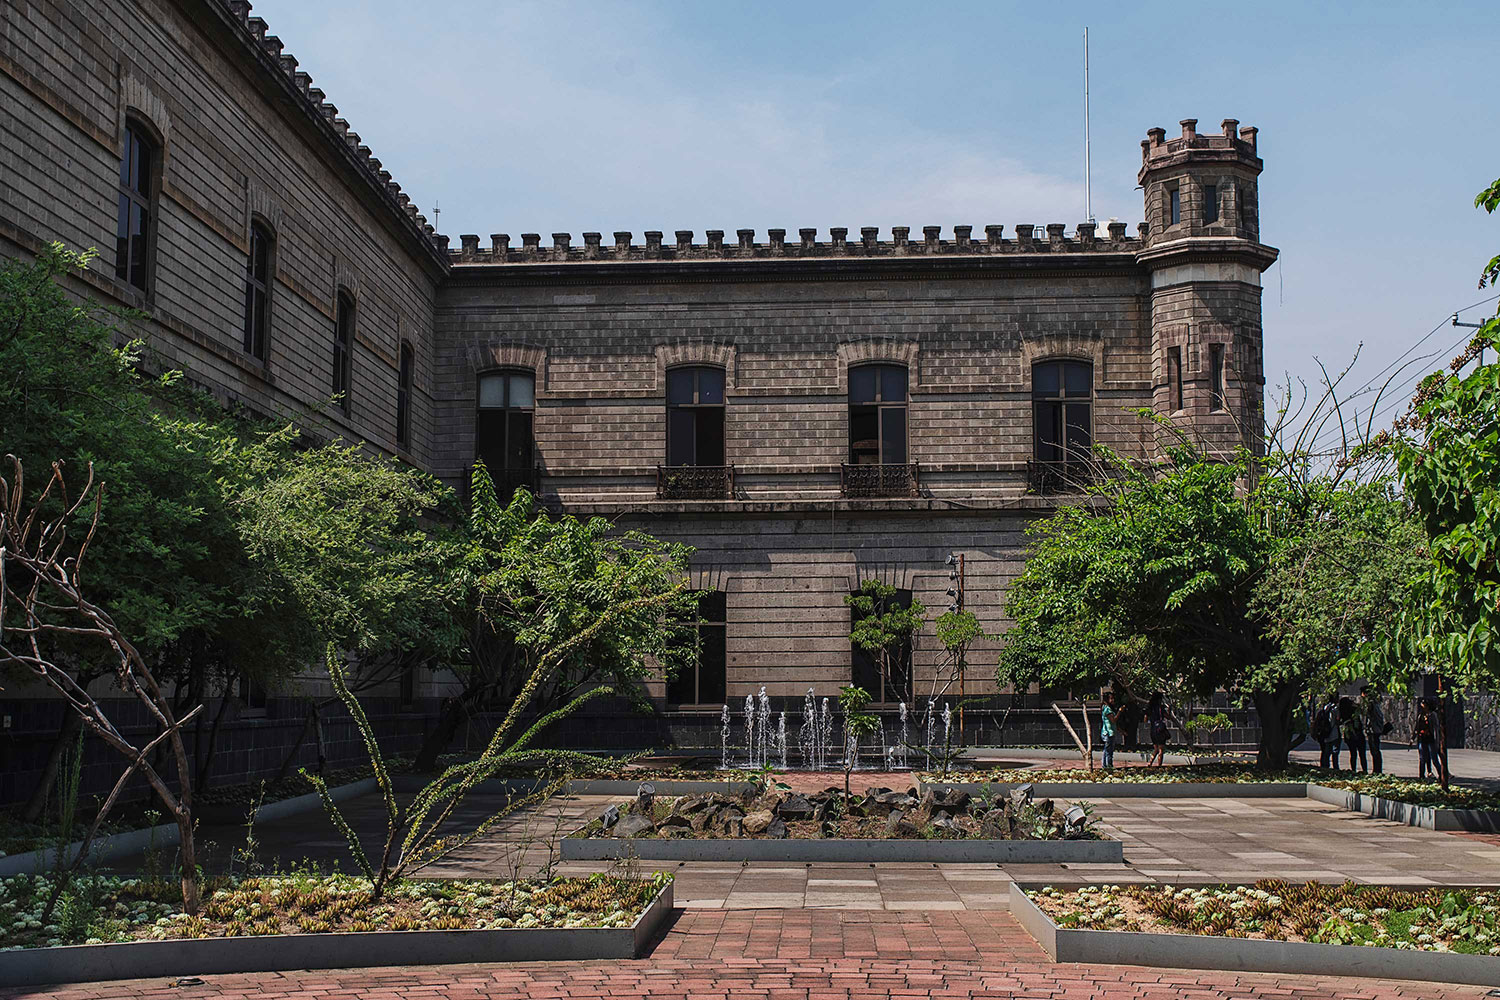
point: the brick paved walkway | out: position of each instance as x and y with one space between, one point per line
785 955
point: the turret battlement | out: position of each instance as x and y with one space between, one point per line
1231 143
1028 239
1201 185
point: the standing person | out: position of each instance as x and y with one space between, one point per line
1375 727
1107 729
1352 723
1424 732
1326 732
1157 715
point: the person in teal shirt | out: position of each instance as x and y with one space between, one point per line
1107 729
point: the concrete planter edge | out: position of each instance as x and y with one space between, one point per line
285 952
1196 951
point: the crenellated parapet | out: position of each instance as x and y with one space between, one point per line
270 51
1201 184
1028 239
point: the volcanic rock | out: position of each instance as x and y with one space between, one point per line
633 825
776 830
756 822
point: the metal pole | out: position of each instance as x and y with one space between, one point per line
1088 198
962 660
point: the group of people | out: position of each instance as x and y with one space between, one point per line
1158 715
1358 724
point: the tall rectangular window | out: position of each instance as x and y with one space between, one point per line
503 429
1174 207
1062 394
137 207
403 395
877 415
695 417
1210 203
865 668
343 350
1216 377
258 292
702 681
1174 378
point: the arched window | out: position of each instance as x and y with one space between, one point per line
343 349
695 416
877 415
1062 394
503 429
403 394
137 214
258 291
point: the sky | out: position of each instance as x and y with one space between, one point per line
1377 128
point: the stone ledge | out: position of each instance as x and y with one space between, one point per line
1135 790
1196 951
1425 817
1016 852
281 952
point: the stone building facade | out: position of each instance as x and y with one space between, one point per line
807 412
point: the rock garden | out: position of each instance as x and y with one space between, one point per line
880 814
1417 919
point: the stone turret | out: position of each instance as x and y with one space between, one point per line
1203 250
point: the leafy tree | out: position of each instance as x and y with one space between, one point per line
536 580
857 724
1250 576
884 628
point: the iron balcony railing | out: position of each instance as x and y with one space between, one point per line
1053 478
694 482
879 480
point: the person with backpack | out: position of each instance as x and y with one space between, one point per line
1157 715
1352 724
1326 732
1425 733
1375 727
1107 729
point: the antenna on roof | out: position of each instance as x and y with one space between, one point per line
1088 199
435 213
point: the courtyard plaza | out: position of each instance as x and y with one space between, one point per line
785 931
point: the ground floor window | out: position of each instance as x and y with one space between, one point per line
887 682
702 680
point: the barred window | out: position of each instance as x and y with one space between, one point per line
403 394
343 350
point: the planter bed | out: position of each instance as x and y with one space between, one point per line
1244 954
882 825
1135 789
344 949
1015 852
1426 817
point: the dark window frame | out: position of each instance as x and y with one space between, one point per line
691 675
1210 204
1176 394
704 417
1217 398
864 665
880 406
406 363
1066 402
137 200
345 318
1174 206
260 267
510 417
